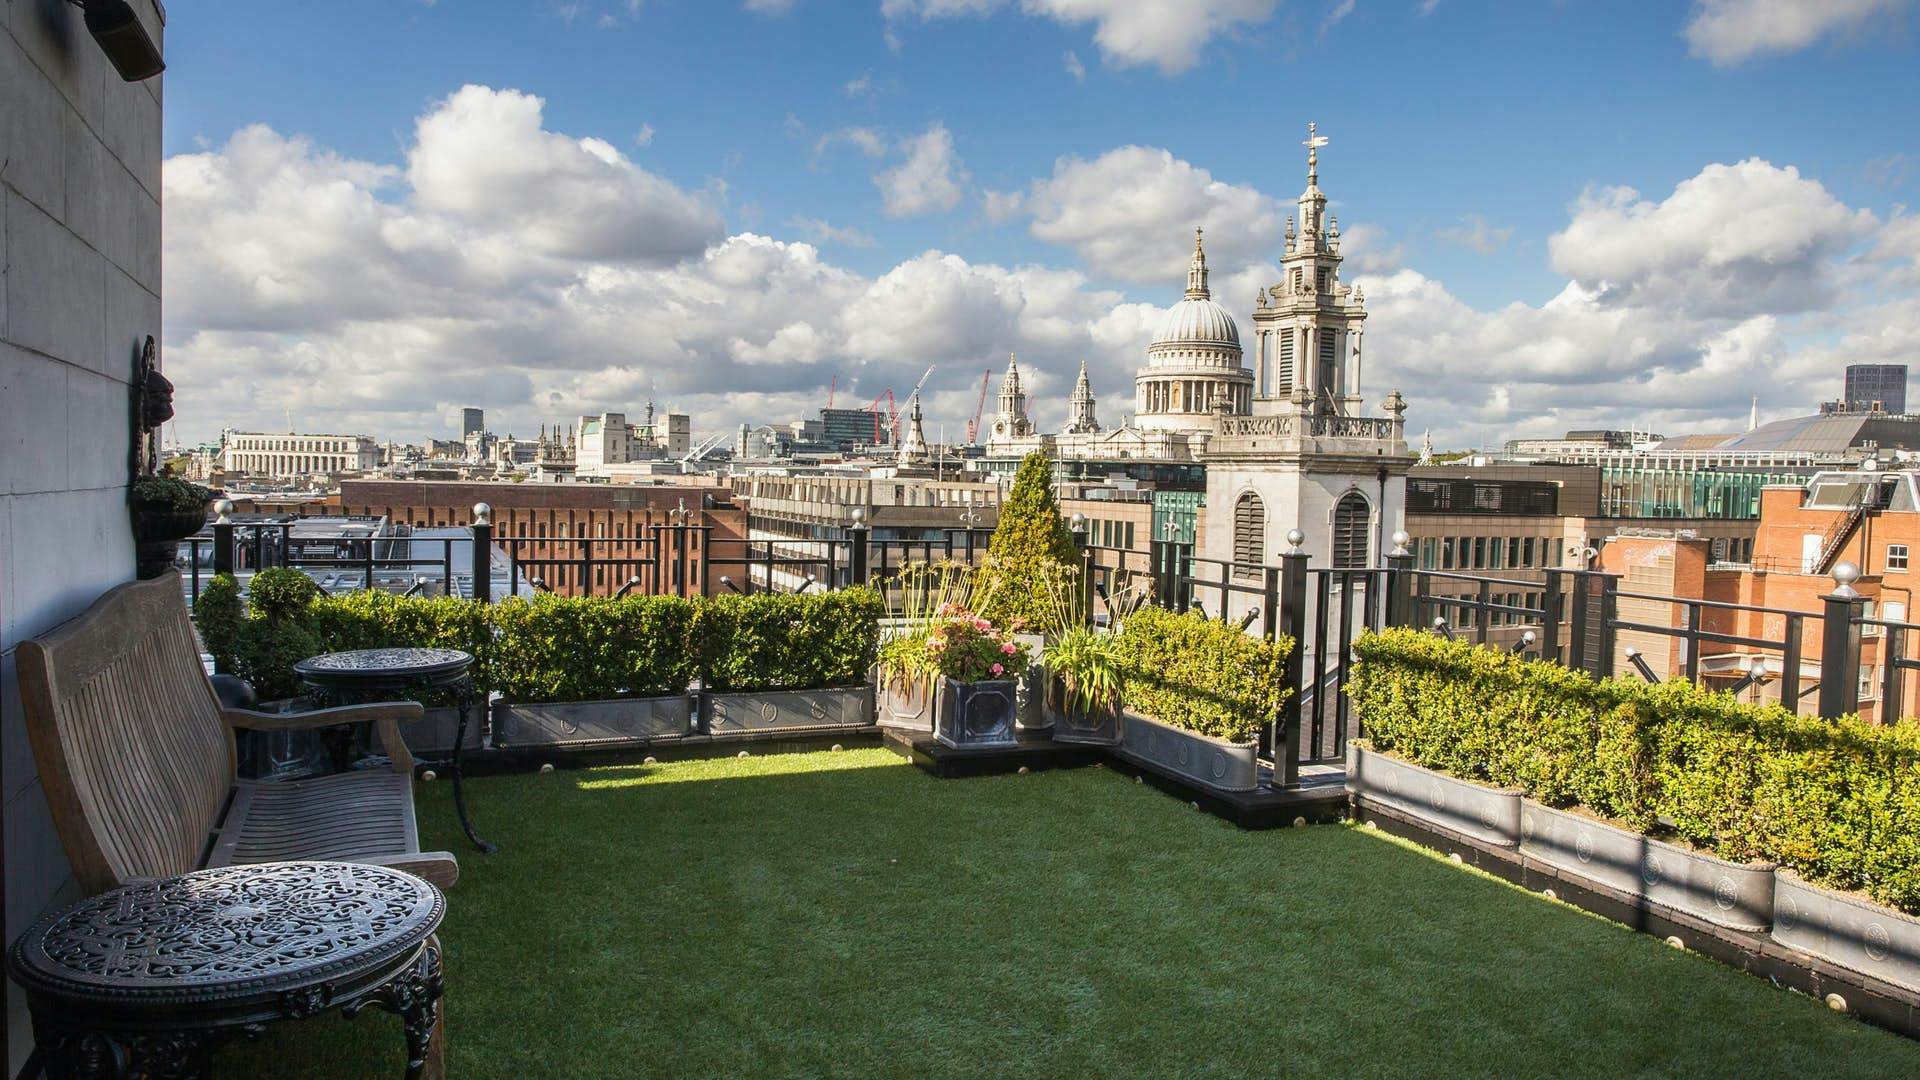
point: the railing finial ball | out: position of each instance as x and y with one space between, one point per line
1078 522
1400 541
482 514
1295 538
1845 573
223 511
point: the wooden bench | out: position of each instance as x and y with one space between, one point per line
137 757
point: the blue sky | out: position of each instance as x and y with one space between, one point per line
1464 137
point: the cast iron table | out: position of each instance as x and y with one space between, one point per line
362 675
147 979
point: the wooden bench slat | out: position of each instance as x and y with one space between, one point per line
138 764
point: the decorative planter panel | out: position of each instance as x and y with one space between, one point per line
1033 714
1582 846
433 734
1489 815
904 705
1099 727
1738 896
976 715
1848 930
778 710
592 724
1200 759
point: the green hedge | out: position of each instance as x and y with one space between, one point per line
554 648
1837 801
770 641
1206 676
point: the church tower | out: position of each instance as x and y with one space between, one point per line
1308 326
1011 421
1307 457
914 450
1080 417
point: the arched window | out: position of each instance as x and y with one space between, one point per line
1249 535
1350 531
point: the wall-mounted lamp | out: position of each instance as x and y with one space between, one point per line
117 29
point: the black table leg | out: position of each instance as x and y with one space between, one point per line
466 704
414 996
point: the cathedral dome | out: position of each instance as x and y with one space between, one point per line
1197 320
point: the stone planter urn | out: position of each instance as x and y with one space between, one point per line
157 532
977 715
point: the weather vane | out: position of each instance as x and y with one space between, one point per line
1313 142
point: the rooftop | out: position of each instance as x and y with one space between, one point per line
843 913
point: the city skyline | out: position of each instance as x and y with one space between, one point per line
548 212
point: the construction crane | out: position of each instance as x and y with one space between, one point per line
706 447
893 416
973 425
831 387
923 379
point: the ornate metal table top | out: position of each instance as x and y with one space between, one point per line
228 936
345 669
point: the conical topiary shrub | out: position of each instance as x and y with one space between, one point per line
1032 554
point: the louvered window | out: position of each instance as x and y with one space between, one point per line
1283 364
1350 531
1249 535
1329 361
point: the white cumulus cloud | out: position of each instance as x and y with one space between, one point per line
930 180
1728 32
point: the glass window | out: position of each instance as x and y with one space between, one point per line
1479 553
1496 550
1526 552
1446 553
1427 548
1897 557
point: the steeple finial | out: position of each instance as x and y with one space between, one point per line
1197 270
1313 142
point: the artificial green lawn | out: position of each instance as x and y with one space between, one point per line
843 913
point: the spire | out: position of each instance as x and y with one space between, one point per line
1313 142
1010 384
1080 416
914 450
1197 270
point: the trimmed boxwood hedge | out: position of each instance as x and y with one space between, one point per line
772 641
1836 801
556 648
1206 676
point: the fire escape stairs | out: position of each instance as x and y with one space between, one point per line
1839 533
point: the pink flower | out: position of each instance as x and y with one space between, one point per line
981 625
997 669
1008 648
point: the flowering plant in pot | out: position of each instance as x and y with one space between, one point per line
907 678
1085 669
979 665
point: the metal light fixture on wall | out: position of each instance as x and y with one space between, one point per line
117 28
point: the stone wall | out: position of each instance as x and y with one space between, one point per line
79 291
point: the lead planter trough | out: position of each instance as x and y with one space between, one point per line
1738 896
734 712
433 734
904 703
1847 930
977 714
592 724
1210 763
1081 727
1033 714
1489 815
1584 847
